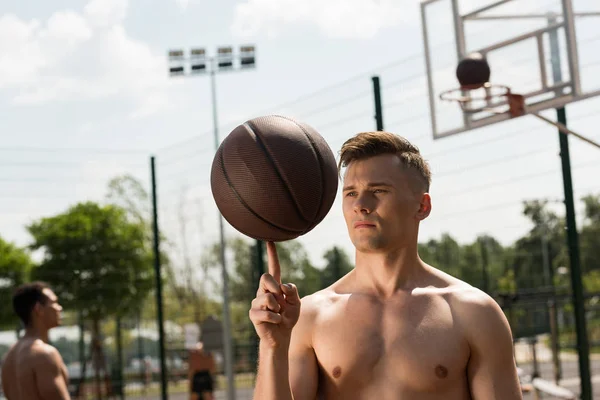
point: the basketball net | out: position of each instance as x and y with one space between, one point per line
495 100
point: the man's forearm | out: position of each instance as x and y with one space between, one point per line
272 380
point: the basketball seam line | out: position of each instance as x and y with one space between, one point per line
264 149
241 200
321 166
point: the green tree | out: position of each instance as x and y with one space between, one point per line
129 194
188 282
489 265
295 265
97 260
443 254
337 265
481 263
590 235
15 267
537 254
243 281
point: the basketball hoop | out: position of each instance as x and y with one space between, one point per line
496 102
495 97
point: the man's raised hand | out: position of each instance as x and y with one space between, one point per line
276 308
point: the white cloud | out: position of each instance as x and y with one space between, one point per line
183 4
79 56
20 53
103 13
335 18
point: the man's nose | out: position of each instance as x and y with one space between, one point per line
363 204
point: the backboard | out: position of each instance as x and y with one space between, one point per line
544 50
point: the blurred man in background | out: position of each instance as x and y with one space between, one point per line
202 369
33 369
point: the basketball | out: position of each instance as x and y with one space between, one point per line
473 71
274 178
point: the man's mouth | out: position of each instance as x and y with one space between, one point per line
363 224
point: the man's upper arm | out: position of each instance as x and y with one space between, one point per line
4 375
492 370
303 369
49 376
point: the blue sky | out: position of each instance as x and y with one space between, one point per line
85 95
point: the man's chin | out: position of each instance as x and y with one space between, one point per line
368 245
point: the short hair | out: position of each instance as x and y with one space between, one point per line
26 297
365 145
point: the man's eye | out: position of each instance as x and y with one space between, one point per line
379 191
351 194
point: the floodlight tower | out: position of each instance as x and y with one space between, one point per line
199 64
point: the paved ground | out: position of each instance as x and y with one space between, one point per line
569 365
241 394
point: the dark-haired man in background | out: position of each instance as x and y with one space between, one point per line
33 369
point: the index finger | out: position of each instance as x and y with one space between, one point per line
273 260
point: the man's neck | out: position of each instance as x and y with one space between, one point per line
33 332
389 271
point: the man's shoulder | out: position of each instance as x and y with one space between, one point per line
45 354
34 353
464 297
312 303
467 302
474 309
10 353
461 293
310 309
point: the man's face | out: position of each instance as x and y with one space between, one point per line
49 312
382 204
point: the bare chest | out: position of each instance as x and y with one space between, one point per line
408 346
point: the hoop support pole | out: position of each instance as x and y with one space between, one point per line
566 130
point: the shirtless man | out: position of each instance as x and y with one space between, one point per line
202 369
394 327
33 369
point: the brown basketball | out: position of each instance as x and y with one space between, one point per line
473 71
274 178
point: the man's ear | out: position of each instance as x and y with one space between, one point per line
37 308
424 207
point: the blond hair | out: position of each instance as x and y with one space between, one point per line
369 144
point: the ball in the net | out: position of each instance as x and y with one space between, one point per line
274 178
473 71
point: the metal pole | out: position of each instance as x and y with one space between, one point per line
576 281
158 277
120 385
257 271
571 36
536 366
548 276
141 354
461 48
226 314
378 110
563 128
572 235
545 256
81 345
428 69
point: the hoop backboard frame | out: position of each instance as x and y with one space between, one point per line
565 91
